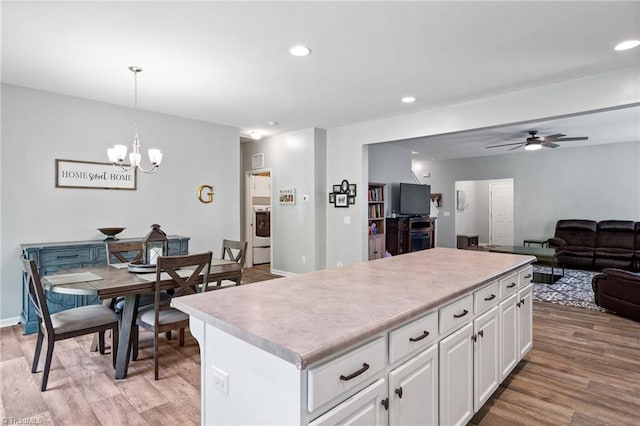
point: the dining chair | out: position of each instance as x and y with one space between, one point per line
237 252
117 250
188 272
62 325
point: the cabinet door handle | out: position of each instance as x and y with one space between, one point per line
493 296
474 337
528 276
481 333
69 256
512 285
385 403
399 392
364 368
518 304
417 339
465 312
521 302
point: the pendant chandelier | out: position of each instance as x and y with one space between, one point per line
118 153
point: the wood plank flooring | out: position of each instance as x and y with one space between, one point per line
584 369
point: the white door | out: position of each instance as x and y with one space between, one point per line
501 213
509 343
486 357
525 326
413 390
365 408
456 377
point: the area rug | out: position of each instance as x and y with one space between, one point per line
573 289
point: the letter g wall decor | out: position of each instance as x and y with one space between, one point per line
205 194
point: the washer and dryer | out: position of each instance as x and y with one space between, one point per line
261 238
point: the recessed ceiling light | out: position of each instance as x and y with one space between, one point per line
414 153
300 50
255 134
272 123
627 44
408 99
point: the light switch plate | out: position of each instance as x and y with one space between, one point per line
220 380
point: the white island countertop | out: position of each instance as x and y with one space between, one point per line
305 318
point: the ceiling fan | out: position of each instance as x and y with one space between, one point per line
535 142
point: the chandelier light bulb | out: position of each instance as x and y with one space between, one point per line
118 153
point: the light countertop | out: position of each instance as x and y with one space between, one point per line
308 317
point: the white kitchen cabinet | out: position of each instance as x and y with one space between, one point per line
509 353
525 320
418 370
413 390
486 356
364 408
456 377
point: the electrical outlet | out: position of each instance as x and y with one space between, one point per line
339 264
220 379
303 259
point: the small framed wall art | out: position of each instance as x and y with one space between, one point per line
343 195
287 197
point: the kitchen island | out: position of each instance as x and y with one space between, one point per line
423 337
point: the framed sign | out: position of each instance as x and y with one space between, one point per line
91 175
287 197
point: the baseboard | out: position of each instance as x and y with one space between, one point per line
284 273
8 322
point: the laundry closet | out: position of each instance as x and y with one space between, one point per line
260 186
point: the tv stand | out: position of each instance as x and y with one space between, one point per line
407 234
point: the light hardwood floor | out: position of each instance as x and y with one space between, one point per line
584 368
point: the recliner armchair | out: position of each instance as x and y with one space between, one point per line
618 291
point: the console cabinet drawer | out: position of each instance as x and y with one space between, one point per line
413 337
508 285
336 377
456 314
64 257
486 297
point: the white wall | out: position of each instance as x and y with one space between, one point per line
38 127
297 160
347 243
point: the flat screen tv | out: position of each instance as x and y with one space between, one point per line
415 200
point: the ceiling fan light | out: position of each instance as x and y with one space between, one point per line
533 146
627 44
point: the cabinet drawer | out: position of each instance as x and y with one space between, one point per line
525 276
66 256
456 314
336 377
508 285
413 337
486 297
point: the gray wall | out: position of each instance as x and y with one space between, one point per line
38 127
297 160
389 164
591 182
347 243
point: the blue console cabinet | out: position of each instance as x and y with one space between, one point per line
51 257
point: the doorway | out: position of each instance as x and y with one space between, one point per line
485 208
258 218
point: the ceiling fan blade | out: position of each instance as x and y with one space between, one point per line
580 138
504 144
516 147
552 138
550 144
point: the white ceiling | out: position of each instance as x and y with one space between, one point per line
228 62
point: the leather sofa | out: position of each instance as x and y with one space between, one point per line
618 291
588 244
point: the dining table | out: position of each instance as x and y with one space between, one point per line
111 281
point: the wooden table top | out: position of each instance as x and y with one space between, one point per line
120 282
